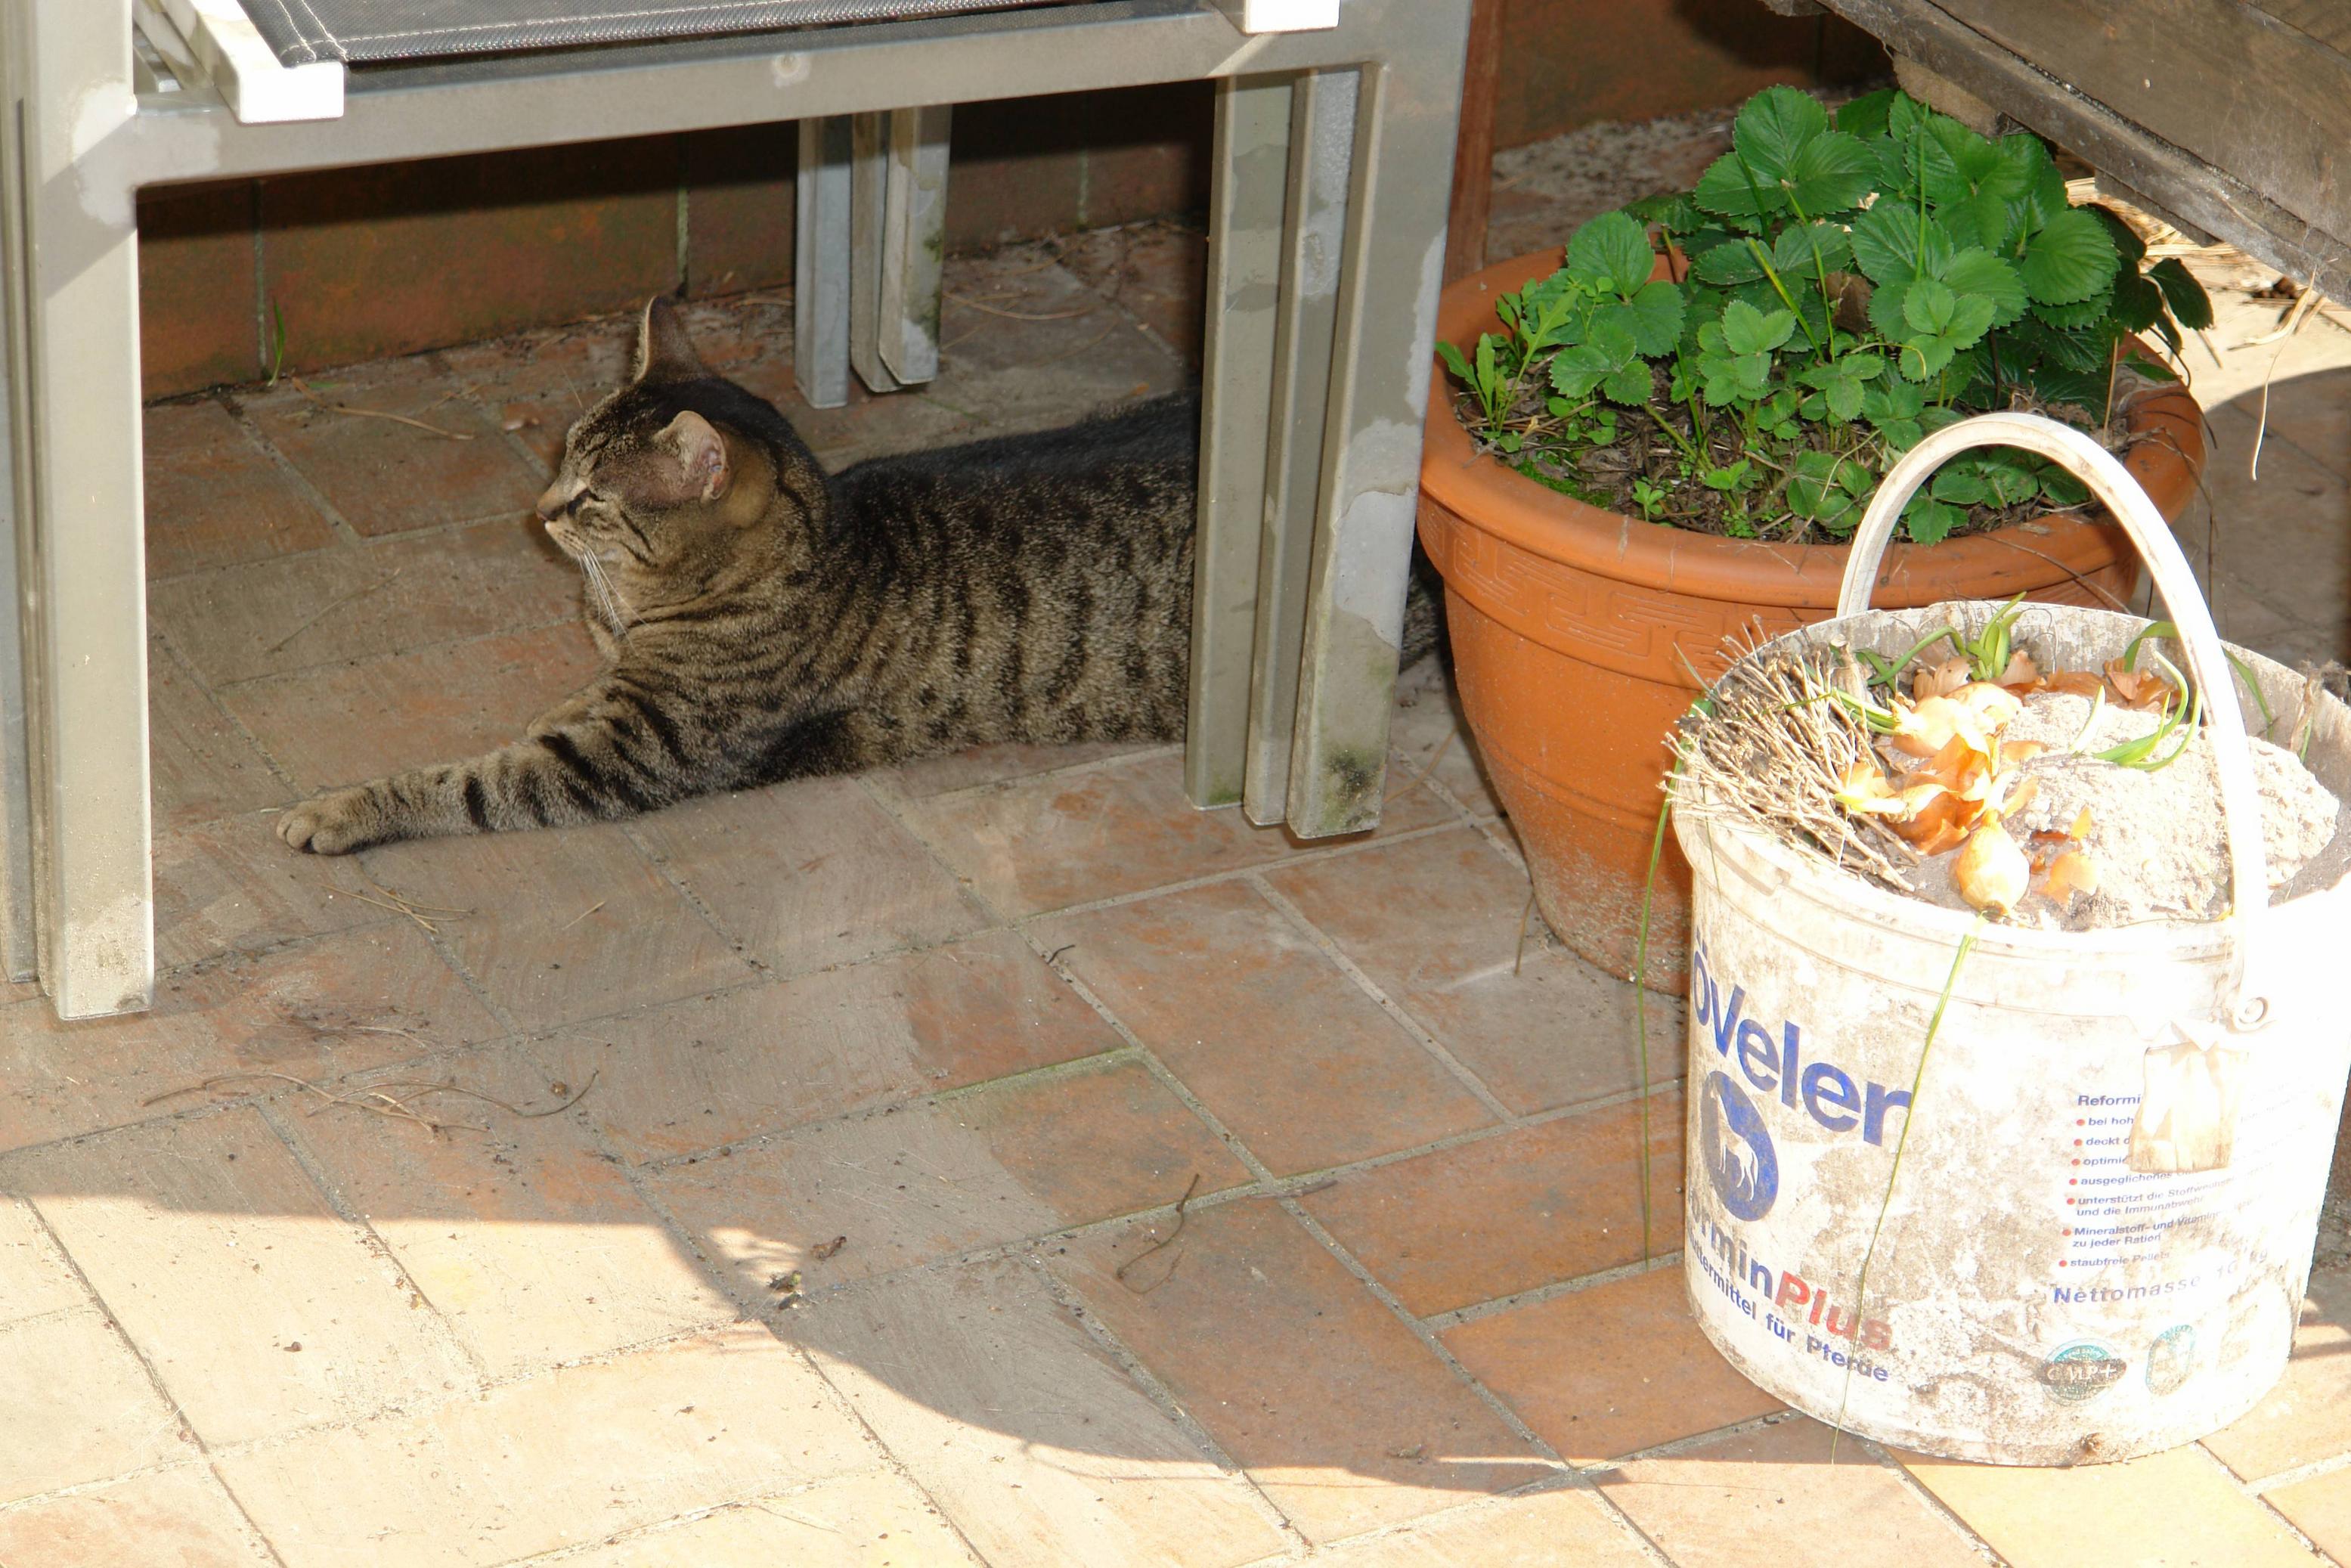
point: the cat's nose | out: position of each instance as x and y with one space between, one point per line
552 500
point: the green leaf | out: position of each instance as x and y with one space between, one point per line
2070 259
1674 213
1726 264
2190 306
1865 116
2081 314
1830 173
1892 244
2138 301
1986 219
2061 487
1960 487
2009 477
1488 377
1931 521
1613 250
1455 363
1827 489
1986 275
1727 190
1808 249
1928 306
2127 245
1630 385
1729 477
1747 330
1773 128
1657 318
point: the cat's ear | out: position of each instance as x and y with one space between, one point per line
664 353
700 454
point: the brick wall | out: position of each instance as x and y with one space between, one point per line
362 263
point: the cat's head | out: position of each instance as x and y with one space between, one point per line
677 475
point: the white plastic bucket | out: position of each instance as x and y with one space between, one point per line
2038 1294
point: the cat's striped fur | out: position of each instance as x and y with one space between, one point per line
762 621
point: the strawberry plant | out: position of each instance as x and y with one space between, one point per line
1835 290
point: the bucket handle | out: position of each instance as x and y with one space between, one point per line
2245 1001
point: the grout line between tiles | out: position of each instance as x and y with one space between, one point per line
725 1281
331 1195
1924 1495
1164 1399
445 644
660 866
1366 984
234 402
2294 1475
2259 1501
1438 1323
195 677
1427 1337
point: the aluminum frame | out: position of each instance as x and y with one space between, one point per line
79 144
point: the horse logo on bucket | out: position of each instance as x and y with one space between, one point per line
1740 1159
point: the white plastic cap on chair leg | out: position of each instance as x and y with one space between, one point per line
1283 16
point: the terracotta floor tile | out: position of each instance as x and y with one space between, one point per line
169 1519
525 1237
217 1256
2321 1509
1556 1032
2307 1417
565 926
2178 1510
346 724
34 1277
1610 1369
1032 1439
928 1180
564 1459
872 1520
1040 843
1037 844
811 873
76 1406
992 765
1429 735
233 885
1566 1527
200 766
1345 1417
1156 271
1773 1496
1257 1021
546 380
214 497
271 617
315 1010
696 1074
384 475
1510 1212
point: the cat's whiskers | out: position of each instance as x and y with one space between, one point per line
601 586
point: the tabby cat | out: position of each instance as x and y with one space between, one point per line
763 621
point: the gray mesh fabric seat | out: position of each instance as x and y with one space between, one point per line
367 32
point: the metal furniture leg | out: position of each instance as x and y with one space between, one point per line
84 564
17 942
1321 147
821 262
1370 448
898 210
1250 164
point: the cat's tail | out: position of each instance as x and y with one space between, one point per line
1424 612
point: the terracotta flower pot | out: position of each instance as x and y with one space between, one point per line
1571 629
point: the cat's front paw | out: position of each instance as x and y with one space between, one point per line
334 823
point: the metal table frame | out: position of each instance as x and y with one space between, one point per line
1334 156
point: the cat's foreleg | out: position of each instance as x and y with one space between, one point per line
606 753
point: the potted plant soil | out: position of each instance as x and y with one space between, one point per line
1665 441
